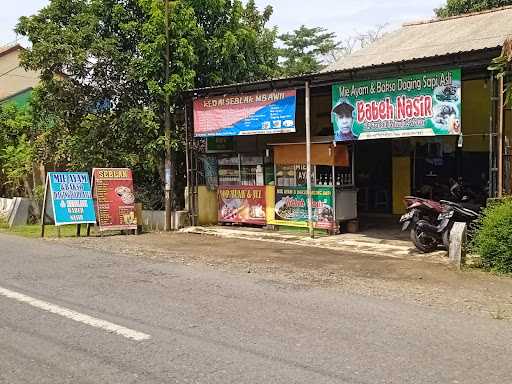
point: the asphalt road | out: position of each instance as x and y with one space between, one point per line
207 326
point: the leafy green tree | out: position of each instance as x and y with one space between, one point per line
17 148
305 48
235 44
102 64
459 7
16 161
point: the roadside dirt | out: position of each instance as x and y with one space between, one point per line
300 267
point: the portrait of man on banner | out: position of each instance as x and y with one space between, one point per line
342 116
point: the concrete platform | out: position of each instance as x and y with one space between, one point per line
384 242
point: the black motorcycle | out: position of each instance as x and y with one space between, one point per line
428 237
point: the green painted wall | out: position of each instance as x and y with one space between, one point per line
20 99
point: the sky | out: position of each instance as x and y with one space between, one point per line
346 18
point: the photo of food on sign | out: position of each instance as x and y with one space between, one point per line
292 206
126 194
449 93
242 210
446 116
242 205
289 209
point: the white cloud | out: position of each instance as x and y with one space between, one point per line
347 17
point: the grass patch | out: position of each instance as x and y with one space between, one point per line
34 230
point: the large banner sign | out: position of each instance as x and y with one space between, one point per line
71 198
245 114
425 104
242 204
292 206
115 201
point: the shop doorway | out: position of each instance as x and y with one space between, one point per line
373 174
439 162
435 163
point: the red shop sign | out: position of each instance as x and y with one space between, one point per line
242 204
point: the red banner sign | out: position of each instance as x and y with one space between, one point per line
242 204
115 200
245 114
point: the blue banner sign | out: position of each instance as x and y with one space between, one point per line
71 197
245 114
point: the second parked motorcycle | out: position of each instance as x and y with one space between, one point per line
419 209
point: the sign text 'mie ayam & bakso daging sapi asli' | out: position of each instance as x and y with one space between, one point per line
245 114
71 198
424 104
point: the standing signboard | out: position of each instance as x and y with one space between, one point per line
115 200
424 104
245 114
291 207
242 204
68 199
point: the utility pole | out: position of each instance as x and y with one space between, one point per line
167 129
308 158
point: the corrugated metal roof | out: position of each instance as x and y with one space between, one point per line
438 37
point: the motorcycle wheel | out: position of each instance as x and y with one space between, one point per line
422 242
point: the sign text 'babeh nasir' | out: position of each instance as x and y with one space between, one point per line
245 114
425 104
71 198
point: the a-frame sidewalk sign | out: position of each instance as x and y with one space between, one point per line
114 198
67 201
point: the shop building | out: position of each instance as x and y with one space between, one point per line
410 114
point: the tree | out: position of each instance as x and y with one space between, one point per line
16 149
304 50
459 7
87 54
102 71
102 65
235 44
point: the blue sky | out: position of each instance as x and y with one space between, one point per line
347 18
344 17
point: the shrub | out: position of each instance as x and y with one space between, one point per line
493 239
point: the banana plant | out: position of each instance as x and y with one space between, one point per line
502 66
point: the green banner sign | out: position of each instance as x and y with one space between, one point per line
292 206
425 104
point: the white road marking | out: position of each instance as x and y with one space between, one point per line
76 316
